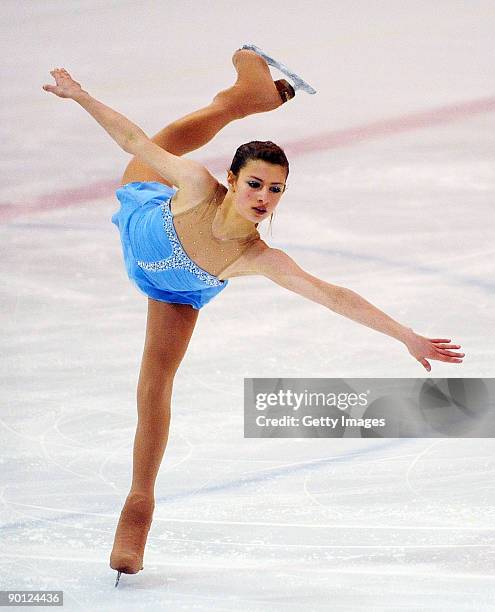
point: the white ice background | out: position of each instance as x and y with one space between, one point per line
403 218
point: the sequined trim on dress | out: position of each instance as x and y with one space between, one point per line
178 258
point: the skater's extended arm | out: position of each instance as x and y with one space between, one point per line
130 137
283 270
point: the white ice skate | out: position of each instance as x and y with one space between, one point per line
296 81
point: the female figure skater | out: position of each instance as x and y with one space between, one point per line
181 245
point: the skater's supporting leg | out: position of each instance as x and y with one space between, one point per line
253 92
168 331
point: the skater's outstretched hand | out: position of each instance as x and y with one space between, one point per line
433 348
65 86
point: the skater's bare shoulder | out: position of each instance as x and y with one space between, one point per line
247 264
263 260
201 187
186 174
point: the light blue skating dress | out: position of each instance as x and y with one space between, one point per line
162 265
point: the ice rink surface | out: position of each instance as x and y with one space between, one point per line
391 194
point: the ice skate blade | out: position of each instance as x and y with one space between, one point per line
118 578
296 81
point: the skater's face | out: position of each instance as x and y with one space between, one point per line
257 189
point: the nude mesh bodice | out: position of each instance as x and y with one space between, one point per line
194 231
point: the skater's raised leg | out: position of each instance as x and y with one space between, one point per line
253 92
168 331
